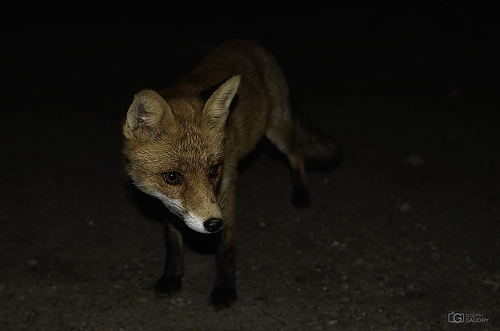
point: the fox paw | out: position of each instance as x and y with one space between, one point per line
223 297
167 286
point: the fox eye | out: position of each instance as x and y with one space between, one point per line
172 178
215 170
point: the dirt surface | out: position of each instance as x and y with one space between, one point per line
399 236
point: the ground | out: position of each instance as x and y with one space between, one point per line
401 235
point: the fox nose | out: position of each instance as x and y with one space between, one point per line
213 224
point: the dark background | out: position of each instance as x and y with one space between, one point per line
404 232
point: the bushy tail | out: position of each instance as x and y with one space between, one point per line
319 150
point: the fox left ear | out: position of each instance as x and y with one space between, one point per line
216 107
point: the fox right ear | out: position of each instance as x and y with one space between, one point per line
145 114
216 108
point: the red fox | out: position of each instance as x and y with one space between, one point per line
182 146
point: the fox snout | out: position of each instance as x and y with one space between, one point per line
200 217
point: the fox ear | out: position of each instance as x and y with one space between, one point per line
216 108
145 114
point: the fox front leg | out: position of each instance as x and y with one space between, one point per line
224 293
171 280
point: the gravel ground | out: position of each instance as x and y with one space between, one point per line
399 236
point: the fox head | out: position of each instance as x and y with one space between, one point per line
174 151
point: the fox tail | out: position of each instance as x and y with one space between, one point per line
320 151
